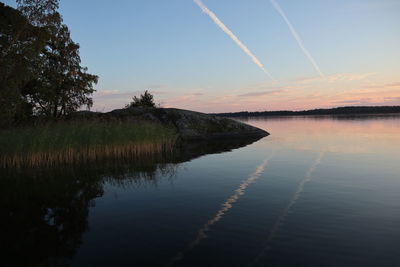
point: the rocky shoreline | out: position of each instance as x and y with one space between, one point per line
189 125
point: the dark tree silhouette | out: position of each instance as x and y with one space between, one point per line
330 111
20 46
41 72
145 100
61 85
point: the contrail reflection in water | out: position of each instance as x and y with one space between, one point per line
225 207
296 195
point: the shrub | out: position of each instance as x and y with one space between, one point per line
145 100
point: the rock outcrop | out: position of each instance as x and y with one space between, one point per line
190 125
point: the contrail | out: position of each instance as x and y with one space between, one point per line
232 36
296 195
226 206
297 37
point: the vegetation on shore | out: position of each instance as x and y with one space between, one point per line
77 142
145 100
329 111
42 82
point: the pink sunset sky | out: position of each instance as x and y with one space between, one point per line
296 94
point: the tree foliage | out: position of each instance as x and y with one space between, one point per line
145 100
41 67
20 46
42 13
62 84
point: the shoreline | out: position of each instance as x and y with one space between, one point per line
340 111
133 133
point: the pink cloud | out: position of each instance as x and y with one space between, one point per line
386 85
305 93
273 92
340 77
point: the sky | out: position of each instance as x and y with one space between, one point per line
236 55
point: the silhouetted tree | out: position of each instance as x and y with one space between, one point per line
20 46
40 69
145 100
61 84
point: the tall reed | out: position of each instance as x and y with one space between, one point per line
77 142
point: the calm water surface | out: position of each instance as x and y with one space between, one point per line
316 192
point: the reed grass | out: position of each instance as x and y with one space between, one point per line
77 142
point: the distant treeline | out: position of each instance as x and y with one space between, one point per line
329 111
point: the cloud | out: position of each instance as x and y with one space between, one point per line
340 77
121 94
112 94
348 102
395 99
187 101
370 101
107 92
364 97
274 92
156 86
345 89
387 85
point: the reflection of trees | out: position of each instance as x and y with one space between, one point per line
339 117
44 213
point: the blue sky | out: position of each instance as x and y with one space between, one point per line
175 50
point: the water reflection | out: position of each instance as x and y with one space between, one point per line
335 134
45 211
44 216
343 117
292 202
190 150
225 207
330 196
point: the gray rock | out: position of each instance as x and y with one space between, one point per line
199 126
190 125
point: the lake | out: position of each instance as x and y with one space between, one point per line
319 191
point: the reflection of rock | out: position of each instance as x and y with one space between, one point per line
189 150
189 124
45 211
